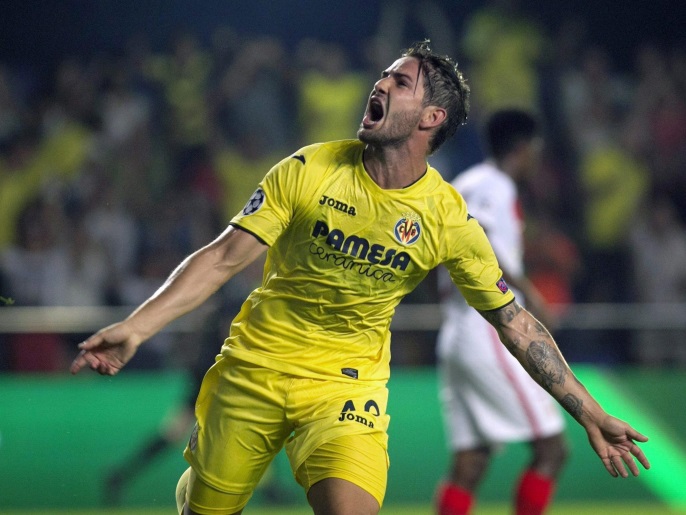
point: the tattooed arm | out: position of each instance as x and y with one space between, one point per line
533 346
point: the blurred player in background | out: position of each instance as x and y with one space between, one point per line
176 426
351 227
488 399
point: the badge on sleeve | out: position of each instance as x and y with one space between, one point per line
255 202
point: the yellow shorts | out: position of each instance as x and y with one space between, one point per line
247 413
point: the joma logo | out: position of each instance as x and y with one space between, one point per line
348 413
337 204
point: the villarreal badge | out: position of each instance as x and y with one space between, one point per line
407 229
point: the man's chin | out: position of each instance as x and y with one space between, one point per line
367 136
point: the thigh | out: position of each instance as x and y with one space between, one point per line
489 398
333 496
466 372
203 499
351 470
341 432
240 426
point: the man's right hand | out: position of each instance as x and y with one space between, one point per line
614 442
108 350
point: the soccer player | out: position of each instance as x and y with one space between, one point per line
350 227
488 398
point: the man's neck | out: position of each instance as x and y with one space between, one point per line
394 168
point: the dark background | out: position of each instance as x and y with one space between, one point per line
39 33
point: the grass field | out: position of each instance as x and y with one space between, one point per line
72 448
486 509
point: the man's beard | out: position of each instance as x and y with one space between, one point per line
396 130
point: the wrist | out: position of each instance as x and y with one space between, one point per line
592 417
136 333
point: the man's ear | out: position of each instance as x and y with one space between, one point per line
432 117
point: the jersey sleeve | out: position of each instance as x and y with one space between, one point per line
474 269
271 207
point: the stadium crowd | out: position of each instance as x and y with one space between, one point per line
115 166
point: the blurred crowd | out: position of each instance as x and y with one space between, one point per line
115 166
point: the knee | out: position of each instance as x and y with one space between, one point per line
181 490
469 467
559 451
550 455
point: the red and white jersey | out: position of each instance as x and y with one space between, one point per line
488 398
492 199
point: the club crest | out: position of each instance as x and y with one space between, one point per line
407 229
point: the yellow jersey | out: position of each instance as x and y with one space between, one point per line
343 253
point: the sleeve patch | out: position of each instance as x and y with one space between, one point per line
255 202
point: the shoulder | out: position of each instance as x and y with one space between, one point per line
484 177
325 153
444 201
316 156
304 170
478 173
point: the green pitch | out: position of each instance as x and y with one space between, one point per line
486 509
48 438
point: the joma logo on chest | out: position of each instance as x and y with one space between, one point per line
337 204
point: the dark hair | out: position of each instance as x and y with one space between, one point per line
444 86
506 128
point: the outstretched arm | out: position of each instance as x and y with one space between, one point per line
197 277
533 346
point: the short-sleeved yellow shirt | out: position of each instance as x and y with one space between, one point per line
343 253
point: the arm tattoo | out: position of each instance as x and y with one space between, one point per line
540 329
545 362
515 343
542 357
573 405
499 318
502 316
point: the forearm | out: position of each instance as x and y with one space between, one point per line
192 282
187 287
534 347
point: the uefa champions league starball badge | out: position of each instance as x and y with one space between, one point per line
255 203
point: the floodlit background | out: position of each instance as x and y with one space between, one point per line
131 132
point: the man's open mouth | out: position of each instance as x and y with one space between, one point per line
375 110
374 114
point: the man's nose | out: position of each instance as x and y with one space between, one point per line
381 85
